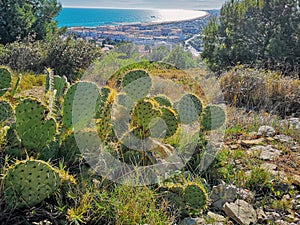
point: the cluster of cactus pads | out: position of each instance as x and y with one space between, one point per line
154 118
157 117
29 182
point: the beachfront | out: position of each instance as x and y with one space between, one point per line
167 33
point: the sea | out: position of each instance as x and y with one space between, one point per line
92 17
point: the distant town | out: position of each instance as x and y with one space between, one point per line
169 34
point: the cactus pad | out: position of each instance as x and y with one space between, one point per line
125 101
59 84
163 100
144 112
167 125
33 127
189 108
213 117
6 111
195 196
5 81
29 182
137 84
80 104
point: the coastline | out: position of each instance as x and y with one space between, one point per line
202 14
168 22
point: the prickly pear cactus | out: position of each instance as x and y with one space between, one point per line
213 117
29 182
58 83
32 125
124 100
80 104
137 84
195 196
6 111
189 108
144 112
167 125
163 100
5 81
188 198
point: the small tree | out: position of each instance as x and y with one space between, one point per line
264 33
20 18
181 59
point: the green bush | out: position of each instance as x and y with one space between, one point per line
257 33
67 57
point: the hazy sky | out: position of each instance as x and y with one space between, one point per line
159 4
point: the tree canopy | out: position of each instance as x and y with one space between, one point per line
20 18
260 33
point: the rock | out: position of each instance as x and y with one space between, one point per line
266 131
245 194
282 222
188 221
269 167
265 152
294 123
296 180
234 147
295 148
261 215
290 218
253 134
221 194
283 138
216 217
241 212
193 221
270 139
248 143
272 216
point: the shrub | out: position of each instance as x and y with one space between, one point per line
67 57
262 90
23 56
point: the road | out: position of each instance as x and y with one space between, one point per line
190 48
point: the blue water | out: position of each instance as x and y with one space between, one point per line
91 17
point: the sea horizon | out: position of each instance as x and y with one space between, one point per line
103 16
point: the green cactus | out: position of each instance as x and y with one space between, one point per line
125 101
5 81
107 94
144 112
57 83
195 196
167 125
163 100
6 111
15 88
29 182
33 126
80 104
137 84
188 198
103 121
213 117
189 108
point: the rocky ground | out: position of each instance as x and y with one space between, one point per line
273 153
